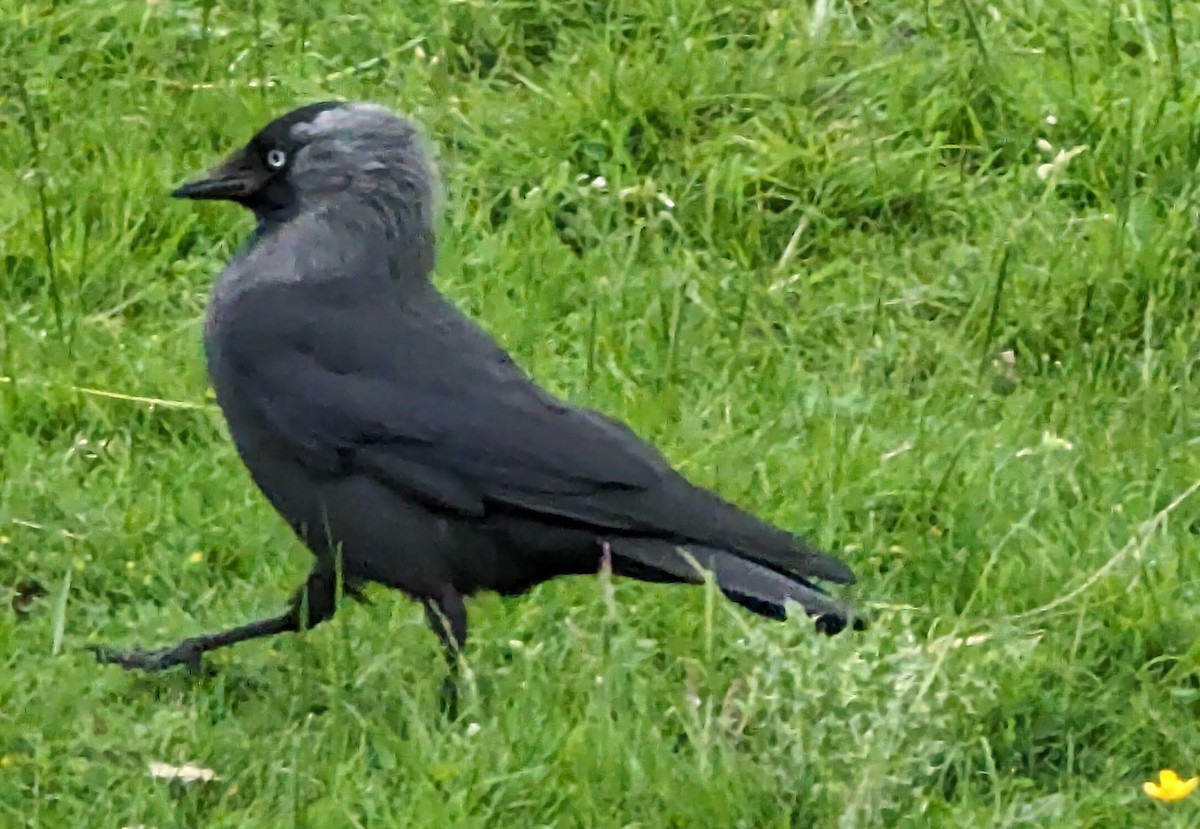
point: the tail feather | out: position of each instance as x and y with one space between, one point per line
754 586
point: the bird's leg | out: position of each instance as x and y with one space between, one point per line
316 596
448 618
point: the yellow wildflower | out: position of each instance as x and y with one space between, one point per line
196 557
1169 787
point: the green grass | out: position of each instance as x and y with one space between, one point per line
787 248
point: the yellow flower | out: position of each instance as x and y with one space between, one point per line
196 557
1169 787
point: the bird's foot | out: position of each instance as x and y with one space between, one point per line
187 652
449 698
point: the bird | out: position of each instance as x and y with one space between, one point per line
399 440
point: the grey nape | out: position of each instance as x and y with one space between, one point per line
381 422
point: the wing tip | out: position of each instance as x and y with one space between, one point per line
825 566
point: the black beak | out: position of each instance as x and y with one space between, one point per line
233 180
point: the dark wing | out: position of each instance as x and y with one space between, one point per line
389 380
387 389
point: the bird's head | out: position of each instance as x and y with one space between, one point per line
313 155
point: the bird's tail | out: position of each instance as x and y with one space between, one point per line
754 586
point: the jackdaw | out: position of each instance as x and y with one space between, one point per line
401 442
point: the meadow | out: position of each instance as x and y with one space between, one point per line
917 280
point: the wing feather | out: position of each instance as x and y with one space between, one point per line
383 377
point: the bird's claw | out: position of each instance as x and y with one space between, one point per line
185 653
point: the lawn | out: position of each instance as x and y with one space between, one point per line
917 280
